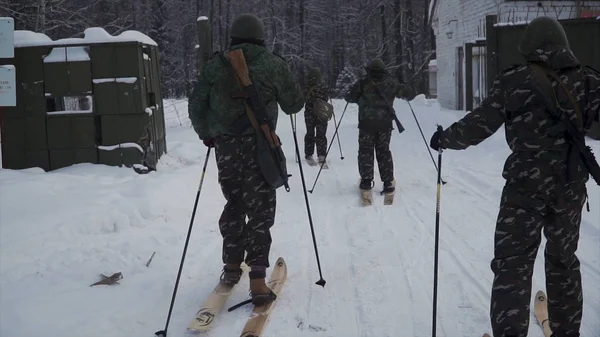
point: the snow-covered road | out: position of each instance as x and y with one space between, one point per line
59 230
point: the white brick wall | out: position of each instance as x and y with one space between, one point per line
466 19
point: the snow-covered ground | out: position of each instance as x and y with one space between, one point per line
59 230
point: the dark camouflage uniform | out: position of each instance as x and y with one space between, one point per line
223 118
541 192
312 91
375 118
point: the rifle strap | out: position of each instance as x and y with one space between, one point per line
542 74
271 139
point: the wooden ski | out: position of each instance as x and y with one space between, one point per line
213 305
311 161
259 316
366 197
540 309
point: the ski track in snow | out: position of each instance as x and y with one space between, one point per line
58 230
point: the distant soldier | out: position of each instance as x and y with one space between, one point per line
316 116
220 120
375 95
545 176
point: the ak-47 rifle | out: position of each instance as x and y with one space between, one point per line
270 156
544 91
390 106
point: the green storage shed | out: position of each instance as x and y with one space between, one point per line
95 99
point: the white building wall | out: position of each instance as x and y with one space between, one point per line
466 19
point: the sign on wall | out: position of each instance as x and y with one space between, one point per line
589 14
7 38
8 90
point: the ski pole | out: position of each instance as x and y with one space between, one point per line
422 135
338 135
437 233
329 148
163 333
321 281
293 118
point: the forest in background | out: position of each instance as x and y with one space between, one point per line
337 36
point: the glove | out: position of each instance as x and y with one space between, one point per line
209 142
409 93
435 142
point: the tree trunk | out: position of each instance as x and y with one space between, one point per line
384 54
398 35
41 24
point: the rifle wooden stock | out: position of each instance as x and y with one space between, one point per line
238 62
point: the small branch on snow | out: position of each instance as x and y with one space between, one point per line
149 261
109 280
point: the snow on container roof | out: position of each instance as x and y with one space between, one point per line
67 54
134 35
433 62
25 38
516 23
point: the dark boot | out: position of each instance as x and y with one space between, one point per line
366 184
389 187
231 273
260 293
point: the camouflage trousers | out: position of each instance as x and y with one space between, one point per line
379 143
519 226
247 195
320 138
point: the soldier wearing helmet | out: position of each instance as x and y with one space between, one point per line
375 94
219 118
545 188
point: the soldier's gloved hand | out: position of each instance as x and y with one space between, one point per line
410 94
209 142
435 142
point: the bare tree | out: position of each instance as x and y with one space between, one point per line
337 36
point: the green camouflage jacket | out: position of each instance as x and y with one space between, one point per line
538 163
312 91
214 112
376 113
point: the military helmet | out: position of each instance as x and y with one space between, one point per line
248 26
314 73
376 64
540 32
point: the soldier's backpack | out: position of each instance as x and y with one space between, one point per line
322 109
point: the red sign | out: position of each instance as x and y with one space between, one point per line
589 14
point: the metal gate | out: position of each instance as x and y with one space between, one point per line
502 42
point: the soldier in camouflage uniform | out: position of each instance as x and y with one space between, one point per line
315 89
375 95
544 190
221 122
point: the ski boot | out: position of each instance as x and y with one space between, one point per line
260 293
310 160
389 189
231 274
366 194
323 162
